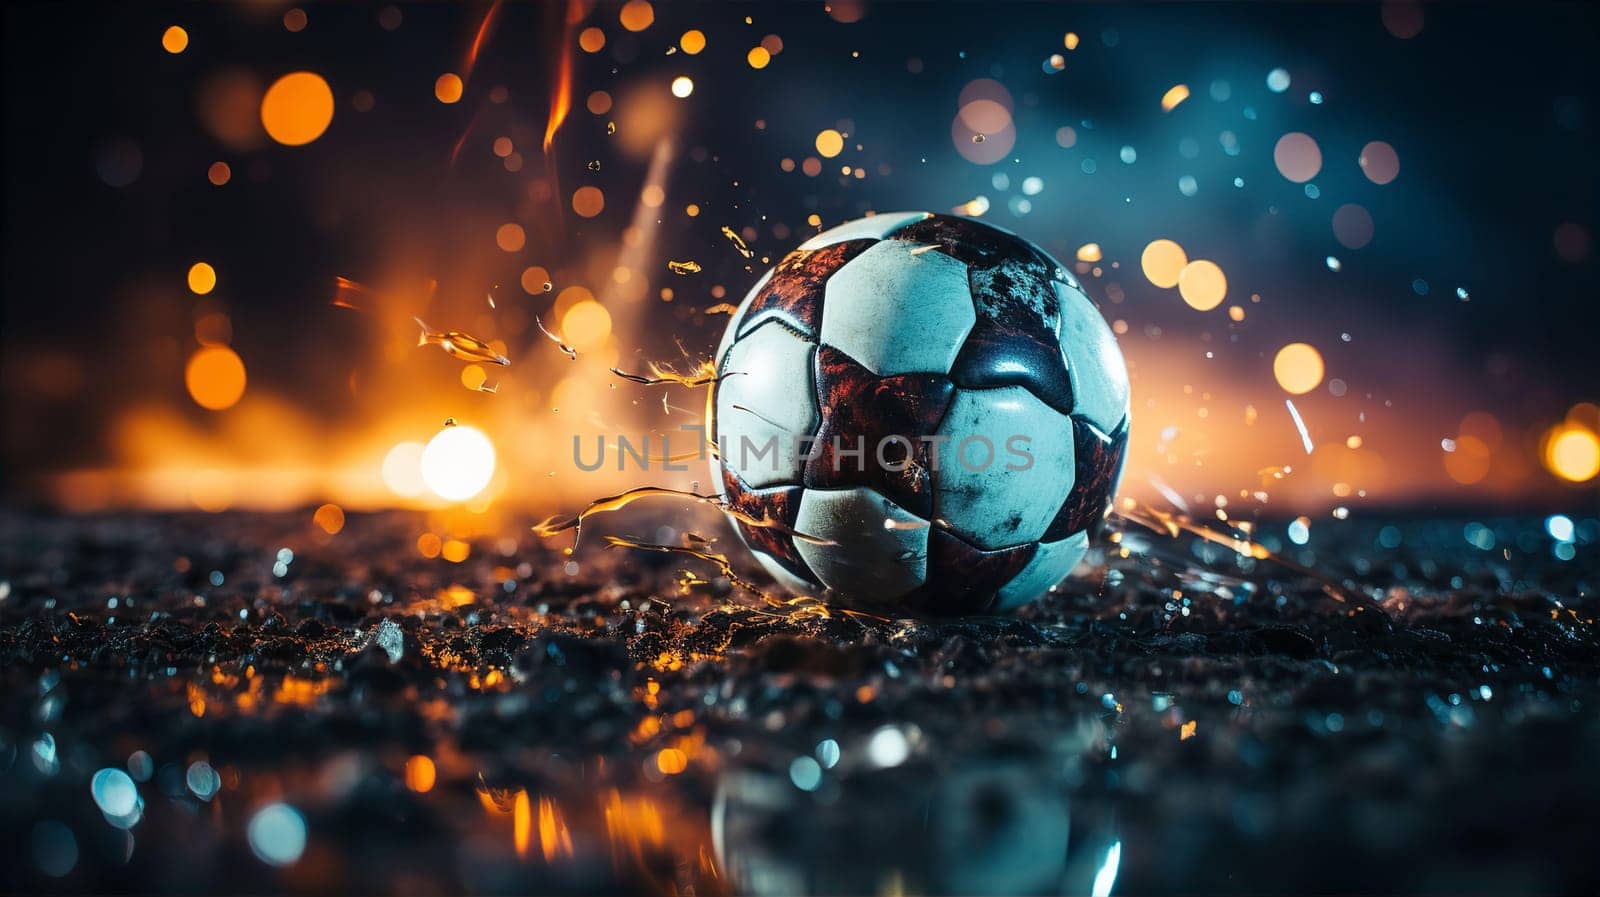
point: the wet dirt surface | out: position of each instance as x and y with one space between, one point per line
295 712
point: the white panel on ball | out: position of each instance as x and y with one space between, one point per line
897 312
735 322
767 396
872 227
869 561
1099 376
1049 566
984 501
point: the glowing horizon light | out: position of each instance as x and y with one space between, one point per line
402 469
1163 261
1298 368
682 86
1572 453
297 108
175 40
215 377
457 463
1202 285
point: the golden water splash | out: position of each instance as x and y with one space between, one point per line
553 525
1157 520
698 454
720 561
459 345
661 374
689 267
738 242
797 608
721 308
560 344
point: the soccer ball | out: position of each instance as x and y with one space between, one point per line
922 414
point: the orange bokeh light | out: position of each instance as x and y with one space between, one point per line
175 40
215 377
588 201
510 237
202 278
420 773
448 88
329 518
1298 368
637 15
297 108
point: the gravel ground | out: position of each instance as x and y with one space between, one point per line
190 708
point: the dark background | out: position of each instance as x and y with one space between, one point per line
1491 109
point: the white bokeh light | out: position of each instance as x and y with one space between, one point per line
458 463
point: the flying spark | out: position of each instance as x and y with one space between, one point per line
561 99
1299 424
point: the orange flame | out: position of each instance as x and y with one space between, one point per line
561 100
521 823
553 834
477 41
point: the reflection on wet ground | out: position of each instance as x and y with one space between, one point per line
241 703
